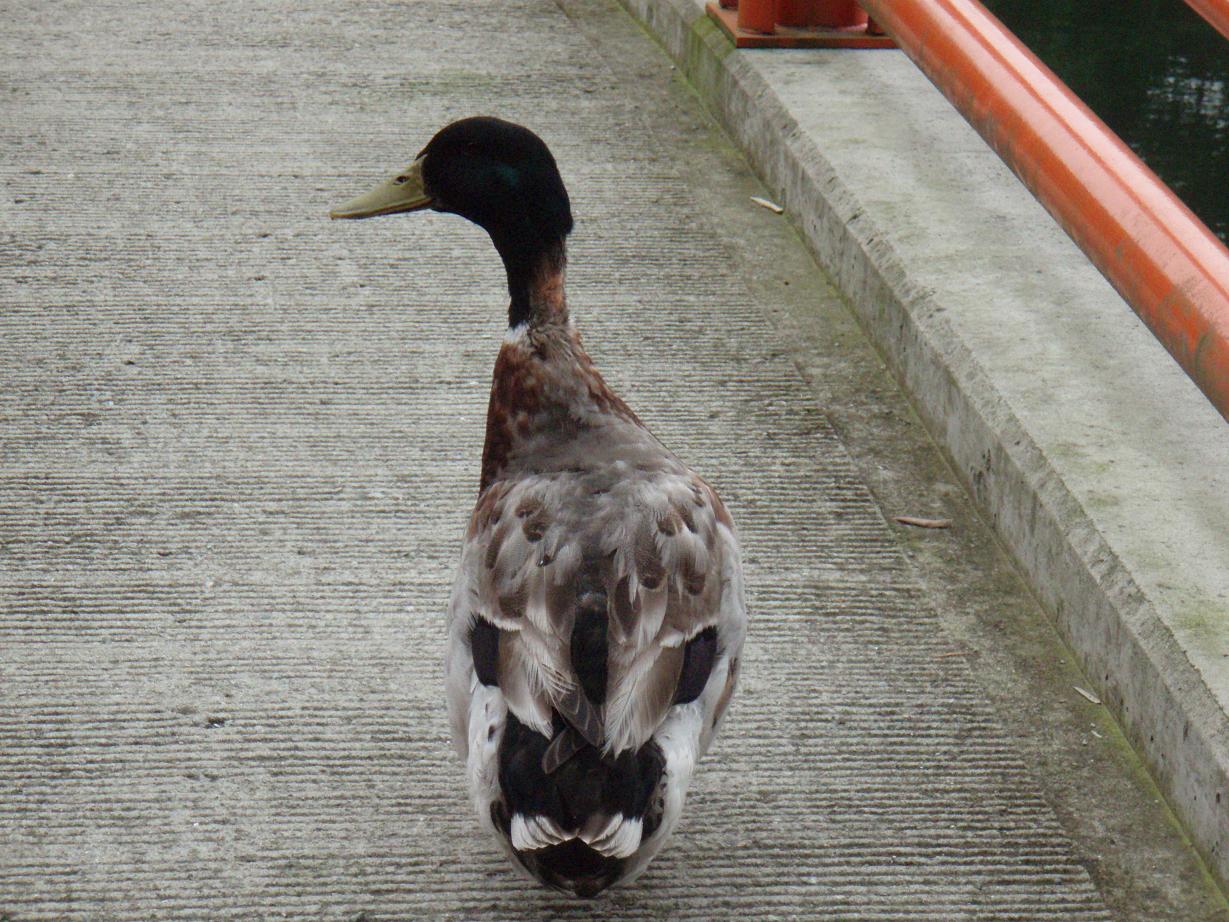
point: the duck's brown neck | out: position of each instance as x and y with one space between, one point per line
535 282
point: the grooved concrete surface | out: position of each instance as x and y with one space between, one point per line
239 447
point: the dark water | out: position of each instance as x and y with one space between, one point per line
1155 72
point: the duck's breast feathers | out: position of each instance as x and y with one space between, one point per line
602 593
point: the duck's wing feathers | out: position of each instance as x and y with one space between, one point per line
666 603
601 596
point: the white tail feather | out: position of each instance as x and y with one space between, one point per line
617 837
532 832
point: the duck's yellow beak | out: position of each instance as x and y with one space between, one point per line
404 192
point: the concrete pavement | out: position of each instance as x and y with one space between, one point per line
240 444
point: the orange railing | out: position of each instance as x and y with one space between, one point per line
1214 11
1162 259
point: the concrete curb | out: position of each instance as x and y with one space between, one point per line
1127 650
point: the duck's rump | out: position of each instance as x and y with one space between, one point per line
575 827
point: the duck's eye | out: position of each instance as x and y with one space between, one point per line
510 175
401 179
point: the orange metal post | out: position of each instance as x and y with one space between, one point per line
1214 11
1163 260
757 15
796 24
796 12
838 13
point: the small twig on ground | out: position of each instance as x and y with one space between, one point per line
771 206
923 523
1087 694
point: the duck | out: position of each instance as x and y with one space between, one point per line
597 620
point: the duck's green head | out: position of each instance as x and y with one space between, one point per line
499 175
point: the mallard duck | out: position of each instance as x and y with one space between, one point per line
597 618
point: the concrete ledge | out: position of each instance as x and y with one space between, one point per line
1102 468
